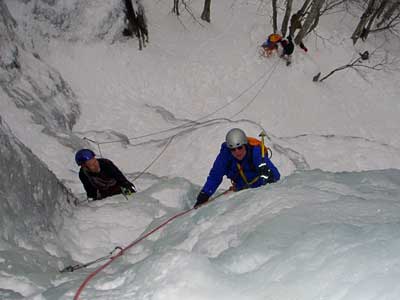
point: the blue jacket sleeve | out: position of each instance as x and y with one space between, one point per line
257 159
217 172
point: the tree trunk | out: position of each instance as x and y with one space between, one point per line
389 13
142 24
295 20
304 8
311 20
137 23
285 20
274 16
175 8
377 12
130 15
206 11
363 21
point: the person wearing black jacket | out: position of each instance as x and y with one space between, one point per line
288 48
100 177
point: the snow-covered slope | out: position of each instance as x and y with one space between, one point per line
33 206
314 235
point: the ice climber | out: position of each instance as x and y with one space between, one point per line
100 177
240 159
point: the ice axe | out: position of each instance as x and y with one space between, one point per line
262 135
263 165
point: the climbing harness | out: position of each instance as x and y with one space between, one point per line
241 172
264 150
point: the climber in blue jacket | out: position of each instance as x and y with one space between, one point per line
240 159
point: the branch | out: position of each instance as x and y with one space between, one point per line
190 12
339 69
391 24
359 63
330 6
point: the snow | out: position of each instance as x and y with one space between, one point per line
328 230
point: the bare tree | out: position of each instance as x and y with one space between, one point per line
175 8
330 5
178 4
286 17
206 11
304 8
295 23
390 17
378 11
362 61
274 16
363 20
311 20
296 19
379 15
136 23
309 14
142 24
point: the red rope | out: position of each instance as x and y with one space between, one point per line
91 275
120 253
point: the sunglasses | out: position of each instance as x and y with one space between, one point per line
237 149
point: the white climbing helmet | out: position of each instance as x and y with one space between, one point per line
235 138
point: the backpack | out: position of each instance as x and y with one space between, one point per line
252 141
274 38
